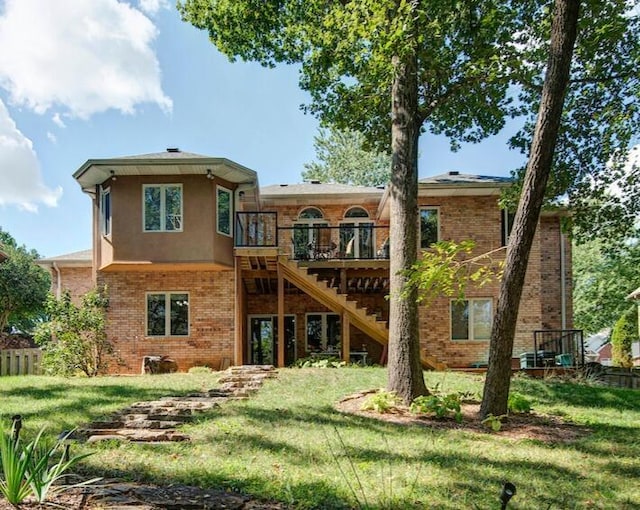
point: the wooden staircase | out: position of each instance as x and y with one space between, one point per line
339 303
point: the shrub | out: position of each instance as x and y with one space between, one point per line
312 362
74 339
440 405
625 332
382 401
200 370
518 403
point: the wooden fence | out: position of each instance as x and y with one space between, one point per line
20 361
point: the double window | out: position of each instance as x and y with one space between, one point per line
471 319
428 226
224 209
162 206
167 314
105 211
323 332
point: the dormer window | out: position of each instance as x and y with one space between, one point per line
162 206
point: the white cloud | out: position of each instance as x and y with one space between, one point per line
20 177
57 120
84 56
152 7
52 138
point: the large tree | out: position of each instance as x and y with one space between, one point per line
341 156
578 146
23 284
391 69
563 36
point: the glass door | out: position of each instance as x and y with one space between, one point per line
263 340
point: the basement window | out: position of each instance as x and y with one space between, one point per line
471 319
168 314
323 332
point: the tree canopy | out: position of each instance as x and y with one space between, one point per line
23 284
390 69
593 170
604 273
341 157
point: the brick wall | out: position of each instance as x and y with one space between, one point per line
211 318
77 280
477 218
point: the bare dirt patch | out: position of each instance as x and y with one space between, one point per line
544 428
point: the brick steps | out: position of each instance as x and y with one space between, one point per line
156 421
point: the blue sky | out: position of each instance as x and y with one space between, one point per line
107 78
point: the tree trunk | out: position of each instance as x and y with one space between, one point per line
563 36
404 368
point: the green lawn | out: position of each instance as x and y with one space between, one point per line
287 443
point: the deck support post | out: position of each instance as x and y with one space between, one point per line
345 337
281 331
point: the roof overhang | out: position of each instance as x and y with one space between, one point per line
97 171
3 256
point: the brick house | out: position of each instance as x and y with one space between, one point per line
205 267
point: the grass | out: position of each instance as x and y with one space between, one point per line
287 443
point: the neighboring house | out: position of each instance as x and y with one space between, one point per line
3 256
635 346
72 272
207 268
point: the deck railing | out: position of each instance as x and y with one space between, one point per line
560 347
313 241
20 361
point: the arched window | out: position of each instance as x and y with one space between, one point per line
356 234
310 233
310 213
356 212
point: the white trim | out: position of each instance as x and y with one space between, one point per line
471 332
435 208
163 226
167 318
227 190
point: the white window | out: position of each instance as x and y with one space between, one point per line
162 207
429 227
225 210
167 314
506 225
323 332
471 319
105 211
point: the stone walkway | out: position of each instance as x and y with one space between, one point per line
158 420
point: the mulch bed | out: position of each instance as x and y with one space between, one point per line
544 428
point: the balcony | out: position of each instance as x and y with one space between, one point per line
361 240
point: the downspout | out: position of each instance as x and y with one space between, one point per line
58 281
563 283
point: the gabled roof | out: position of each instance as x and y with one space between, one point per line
82 258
